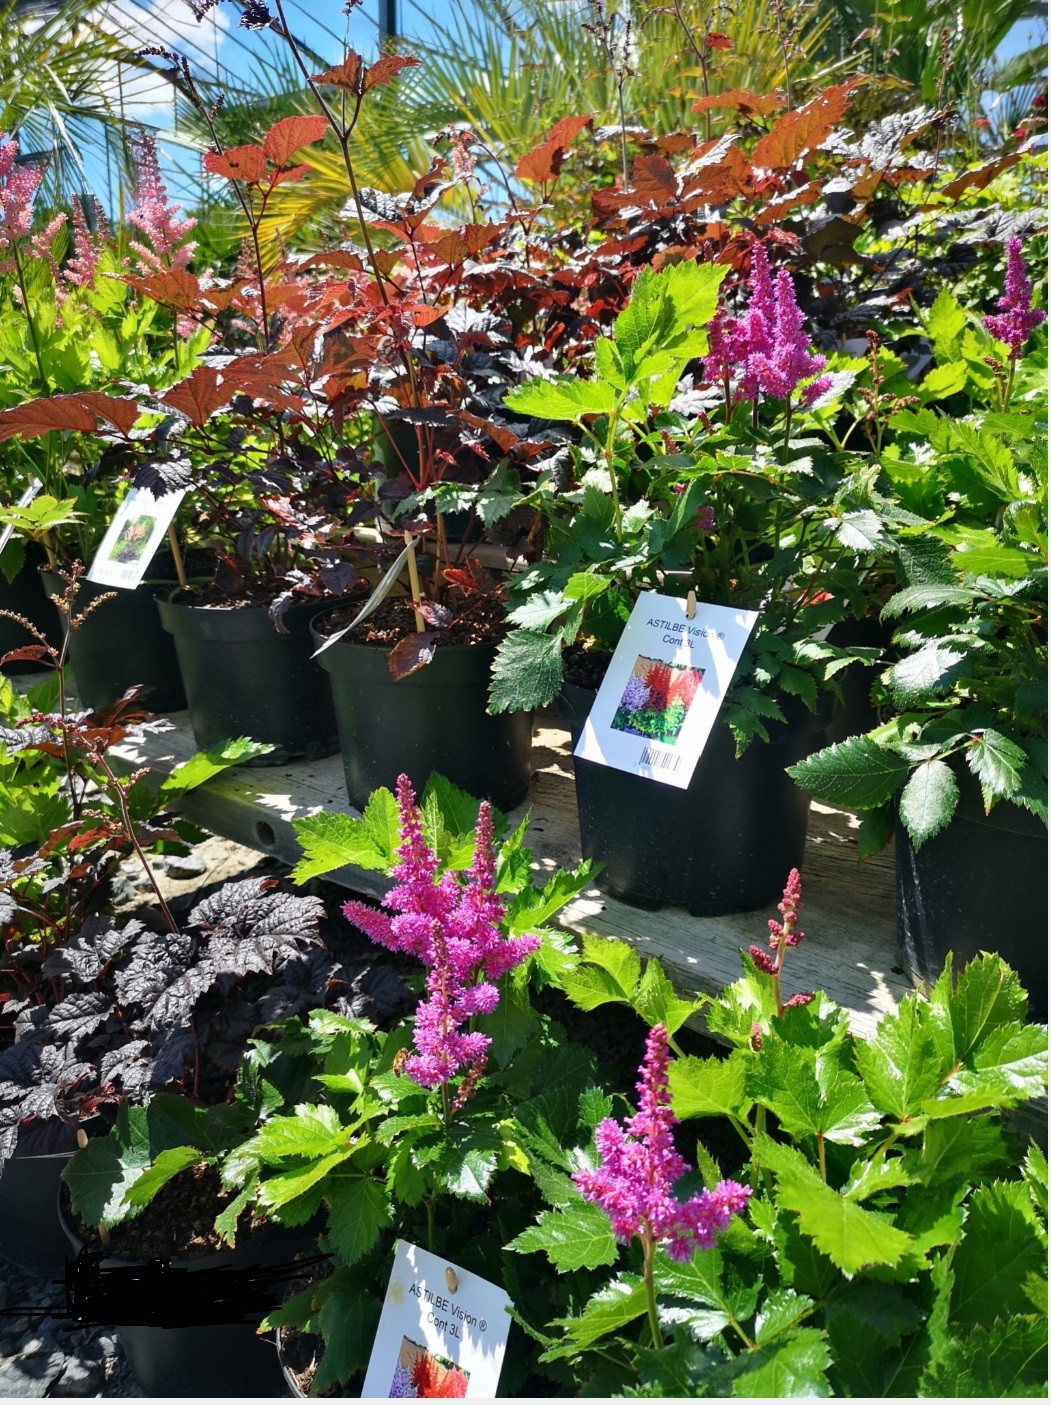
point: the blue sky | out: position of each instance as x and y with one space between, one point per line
218 41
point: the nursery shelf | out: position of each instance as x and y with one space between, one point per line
848 910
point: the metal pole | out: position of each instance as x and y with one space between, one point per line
388 22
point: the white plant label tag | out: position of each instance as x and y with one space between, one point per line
442 1332
24 501
664 686
130 544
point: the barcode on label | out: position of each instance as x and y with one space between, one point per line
661 760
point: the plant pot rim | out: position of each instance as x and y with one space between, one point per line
347 642
209 1258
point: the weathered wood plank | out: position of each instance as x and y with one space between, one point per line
848 912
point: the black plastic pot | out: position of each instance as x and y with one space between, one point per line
725 844
855 714
434 720
25 596
121 642
244 679
30 1232
216 1361
979 885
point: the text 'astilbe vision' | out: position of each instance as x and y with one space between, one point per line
634 1182
453 927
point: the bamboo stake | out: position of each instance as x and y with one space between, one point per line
414 582
180 568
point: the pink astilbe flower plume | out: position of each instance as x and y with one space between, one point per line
18 187
453 927
1017 317
765 352
80 268
155 216
639 1167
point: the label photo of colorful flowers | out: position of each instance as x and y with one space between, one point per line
656 699
421 1375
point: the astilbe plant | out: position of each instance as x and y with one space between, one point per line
783 934
1017 318
638 1169
454 929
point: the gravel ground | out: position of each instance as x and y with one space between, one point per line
39 1356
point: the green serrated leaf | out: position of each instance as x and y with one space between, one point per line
202 766
535 906
289 1185
1009 1067
527 671
348 1321
594 1105
566 398
657 1001
166 1165
811 1096
617 958
1001 1246
226 1220
607 1312
712 1087
852 1237
901 1065
312 1131
928 800
469 1175
1006 1358
964 1148
928 673
987 996
1035 1172
855 774
332 841
578 1236
359 1209
999 763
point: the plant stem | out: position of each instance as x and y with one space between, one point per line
430 1222
34 335
651 1294
129 829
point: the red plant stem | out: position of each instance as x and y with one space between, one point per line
129 829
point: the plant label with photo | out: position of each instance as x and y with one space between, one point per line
443 1331
24 501
134 535
664 686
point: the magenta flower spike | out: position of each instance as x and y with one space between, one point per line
780 366
639 1167
765 352
453 927
1017 317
